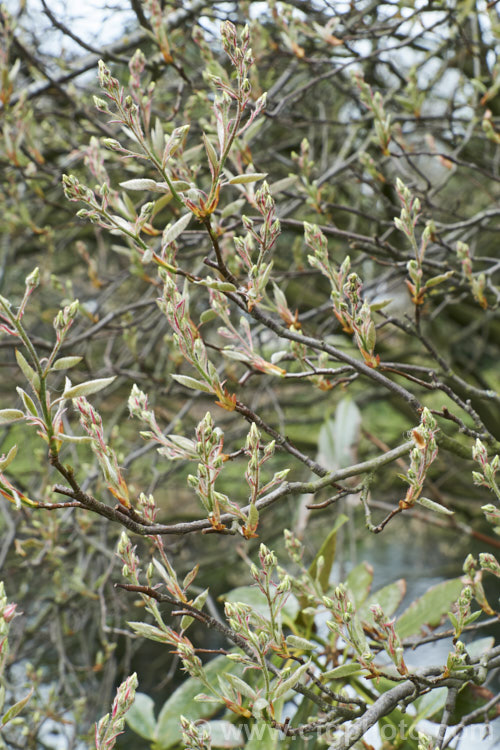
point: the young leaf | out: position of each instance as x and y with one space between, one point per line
288 684
149 631
28 402
65 363
302 643
16 708
4 462
243 179
196 385
242 687
173 231
145 184
434 506
88 387
327 552
345 670
10 415
28 372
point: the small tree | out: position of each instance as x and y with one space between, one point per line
266 278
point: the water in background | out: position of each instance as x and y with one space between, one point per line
423 555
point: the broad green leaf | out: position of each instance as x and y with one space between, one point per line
327 552
477 648
389 598
219 286
182 701
224 734
470 698
375 306
198 603
359 582
88 387
429 609
263 737
16 708
338 436
398 729
438 279
140 716
431 704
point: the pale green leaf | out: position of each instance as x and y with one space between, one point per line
339 436
28 372
28 402
182 701
345 670
429 609
389 598
434 506
196 385
10 415
288 684
88 387
174 230
16 708
327 552
140 716
359 582
224 734
145 184
243 179
8 458
65 363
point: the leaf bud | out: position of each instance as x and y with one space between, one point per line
33 279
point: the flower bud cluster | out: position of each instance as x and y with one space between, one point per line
91 422
375 103
347 625
390 639
476 281
110 726
489 467
194 736
422 456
